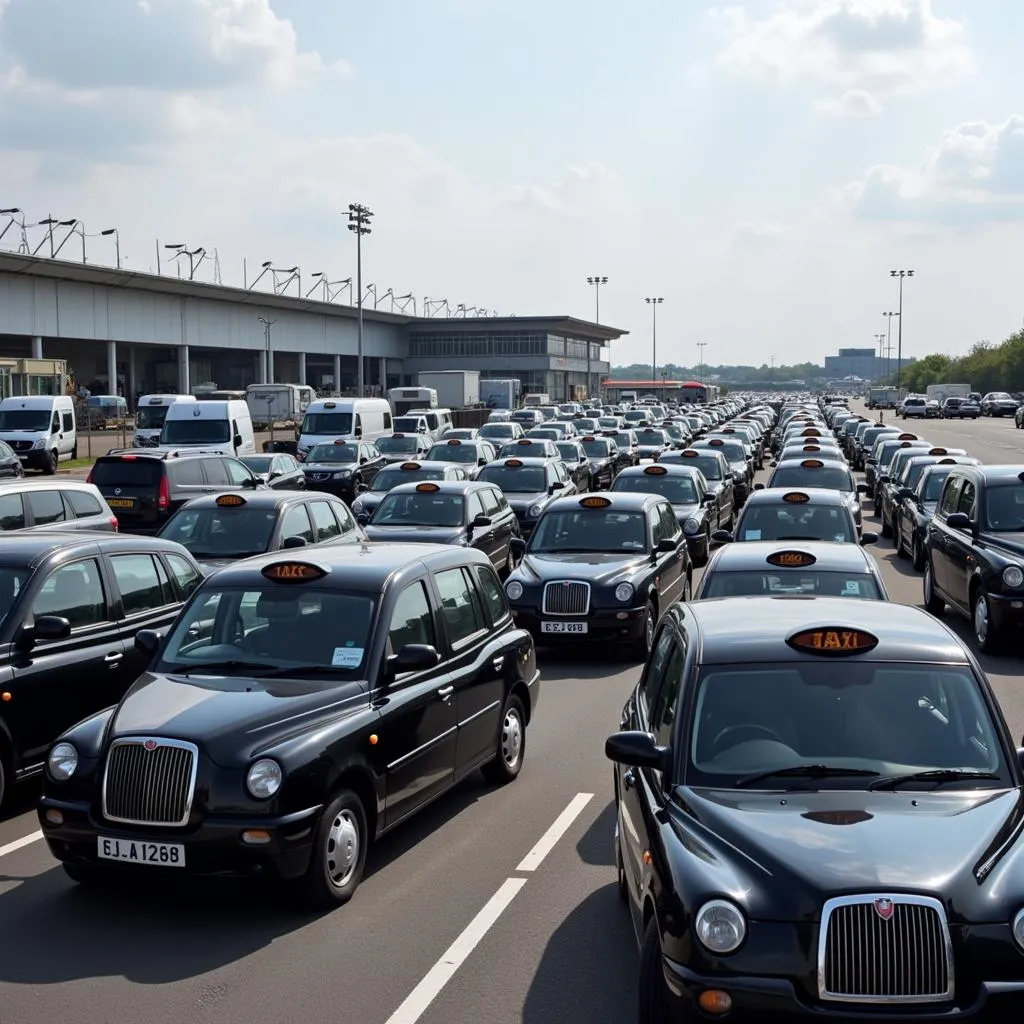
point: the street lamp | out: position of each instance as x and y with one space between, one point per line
359 218
654 303
268 358
117 243
701 345
901 274
888 343
180 249
880 341
11 213
596 283
51 223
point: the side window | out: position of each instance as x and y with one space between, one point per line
46 507
411 621
295 523
657 527
950 495
669 522
189 473
474 506
55 423
324 523
6 452
664 713
186 574
459 603
83 503
12 515
216 472
74 592
238 473
387 422
651 682
165 582
966 502
138 582
493 595
69 421
489 498
345 521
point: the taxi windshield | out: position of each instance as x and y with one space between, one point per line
400 445
415 509
833 478
586 530
150 417
525 480
333 453
933 485
568 451
222 532
912 473
872 717
796 522
596 449
776 583
651 437
499 430
277 629
732 450
1004 508
393 476
710 466
624 440
445 452
680 490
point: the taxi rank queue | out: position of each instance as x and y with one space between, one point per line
262 634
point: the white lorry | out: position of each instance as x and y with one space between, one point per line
277 403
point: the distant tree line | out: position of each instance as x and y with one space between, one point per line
732 374
987 367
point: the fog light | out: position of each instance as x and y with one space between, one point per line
255 837
622 615
715 1002
54 817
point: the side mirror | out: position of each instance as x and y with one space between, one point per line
868 538
959 521
905 492
709 499
293 542
237 439
363 461
147 642
884 478
274 475
415 658
667 544
862 488
556 486
362 519
251 481
758 487
481 461
481 521
517 546
51 627
722 537
637 750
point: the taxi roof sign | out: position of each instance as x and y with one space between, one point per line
717 442
594 501
796 498
340 440
455 440
811 448
513 463
229 501
791 559
833 641
293 572
524 440
655 470
329 405
952 462
909 437
905 444
589 438
398 435
690 453
812 464
810 432
427 488
938 451
410 466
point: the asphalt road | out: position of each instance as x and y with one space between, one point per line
496 906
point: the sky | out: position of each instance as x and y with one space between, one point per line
761 166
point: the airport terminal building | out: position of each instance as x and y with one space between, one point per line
153 333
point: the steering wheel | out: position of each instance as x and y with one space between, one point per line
750 729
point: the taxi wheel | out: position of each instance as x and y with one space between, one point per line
339 853
932 602
985 633
645 641
901 548
510 563
916 554
511 745
50 466
653 1004
3 777
886 525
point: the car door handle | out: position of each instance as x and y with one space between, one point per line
627 779
445 693
498 662
113 658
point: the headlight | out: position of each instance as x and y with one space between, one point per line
1018 928
624 592
720 926
264 778
514 590
535 511
1013 576
41 443
690 527
342 473
62 762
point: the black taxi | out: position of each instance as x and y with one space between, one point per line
473 514
530 485
812 513
296 710
601 566
826 474
402 473
818 818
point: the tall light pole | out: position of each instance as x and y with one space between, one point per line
181 249
595 282
117 243
901 274
888 343
701 345
880 341
654 303
268 356
359 217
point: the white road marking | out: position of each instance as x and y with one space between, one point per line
561 825
443 971
18 844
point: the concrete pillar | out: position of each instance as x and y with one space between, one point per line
112 367
264 375
37 348
184 385
130 387
383 377
337 374
302 368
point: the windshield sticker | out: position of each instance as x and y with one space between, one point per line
347 657
751 534
852 589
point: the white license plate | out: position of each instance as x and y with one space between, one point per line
132 851
563 627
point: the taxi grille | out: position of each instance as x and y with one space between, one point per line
318 476
865 956
149 781
566 597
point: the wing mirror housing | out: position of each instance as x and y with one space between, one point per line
868 538
415 658
47 627
556 486
362 519
959 521
517 546
147 642
905 492
637 750
863 489
237 439
709 499
481 521
293 542
722 537
758 487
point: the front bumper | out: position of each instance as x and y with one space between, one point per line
1006 610
344 489
616 624
213 848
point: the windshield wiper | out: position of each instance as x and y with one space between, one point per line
932 775
302 671
806 771
225 667
798 537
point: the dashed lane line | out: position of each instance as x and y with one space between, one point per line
560 826
19 844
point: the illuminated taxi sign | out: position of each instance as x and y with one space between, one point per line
908 437
952 462
938 451
811 432
514 463
594 502
410 467
230 501
455 440
811 448
833 640
427 488
292 572
796 498
588 439
340 440
716 442
791 559
655 470
690 453
812 464
329 405
524 440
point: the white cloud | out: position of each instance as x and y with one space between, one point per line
758 232
865 50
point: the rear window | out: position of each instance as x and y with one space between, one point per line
83 503
126 473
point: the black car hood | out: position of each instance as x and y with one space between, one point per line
794 850
684 512
519 500
1011 543
415 534
231 719
597 567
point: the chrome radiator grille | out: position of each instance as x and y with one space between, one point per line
149 781
885 949
566 597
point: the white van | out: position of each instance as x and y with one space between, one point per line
328 419
150 416
40 429
438 421
213 426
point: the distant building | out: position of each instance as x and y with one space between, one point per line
860 362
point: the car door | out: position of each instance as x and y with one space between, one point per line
961 561
57 683
419 724
502 523
46 509
240 475
670 576
939 534
371 466
480 537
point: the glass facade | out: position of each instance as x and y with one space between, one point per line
452 344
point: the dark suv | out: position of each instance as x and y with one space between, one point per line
146 488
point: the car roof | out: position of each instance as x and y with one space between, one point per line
1002 474
829 556
441 486
30 547
254 499
525 462
446 467
625 501
815 495
756 631
668 469
812 457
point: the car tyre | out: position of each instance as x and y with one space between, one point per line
932 602
901 548
508 761
620 871
50 466
336 865
643 645
916 554
700 559
886 525
510 563
985 634
3 776
653 995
